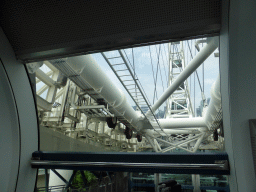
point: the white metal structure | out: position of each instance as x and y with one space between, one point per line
81 98
179 103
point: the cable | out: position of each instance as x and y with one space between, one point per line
203 71
162 85
167 57
147 98
133 62
127 58
190 75
152 68
161 75
159 67
195 70
164 66
195 87
134 74
138 79
156 75
144 93
165 74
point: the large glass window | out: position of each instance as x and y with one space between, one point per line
161 98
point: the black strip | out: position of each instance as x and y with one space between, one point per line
35 187
57 54
83 177
71 179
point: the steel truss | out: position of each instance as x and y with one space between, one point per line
178 105
77 112
78 109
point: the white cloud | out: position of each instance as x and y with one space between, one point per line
209 81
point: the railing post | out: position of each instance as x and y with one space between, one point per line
46 180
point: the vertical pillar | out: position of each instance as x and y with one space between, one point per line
46 180
196 182
156 177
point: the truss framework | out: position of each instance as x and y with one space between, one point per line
69 105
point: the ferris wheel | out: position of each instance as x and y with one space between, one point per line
82 102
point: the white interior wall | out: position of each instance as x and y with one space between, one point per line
9 137
238 80
20 127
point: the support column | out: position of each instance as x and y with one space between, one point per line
196 182
46 180
156 181
151 143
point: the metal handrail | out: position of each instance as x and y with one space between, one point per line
218 165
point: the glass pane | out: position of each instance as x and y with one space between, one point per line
83 110
131 182
108 101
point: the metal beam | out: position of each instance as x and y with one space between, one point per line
191 67
197 163
83 177
46 180
173 131
42 89
48 73
45 78
48 64
71 179
151 143
43 104
181 123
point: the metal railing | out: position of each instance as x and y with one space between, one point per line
197 163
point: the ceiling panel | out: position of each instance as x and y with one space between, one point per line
45 29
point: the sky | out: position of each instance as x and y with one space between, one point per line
140 59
